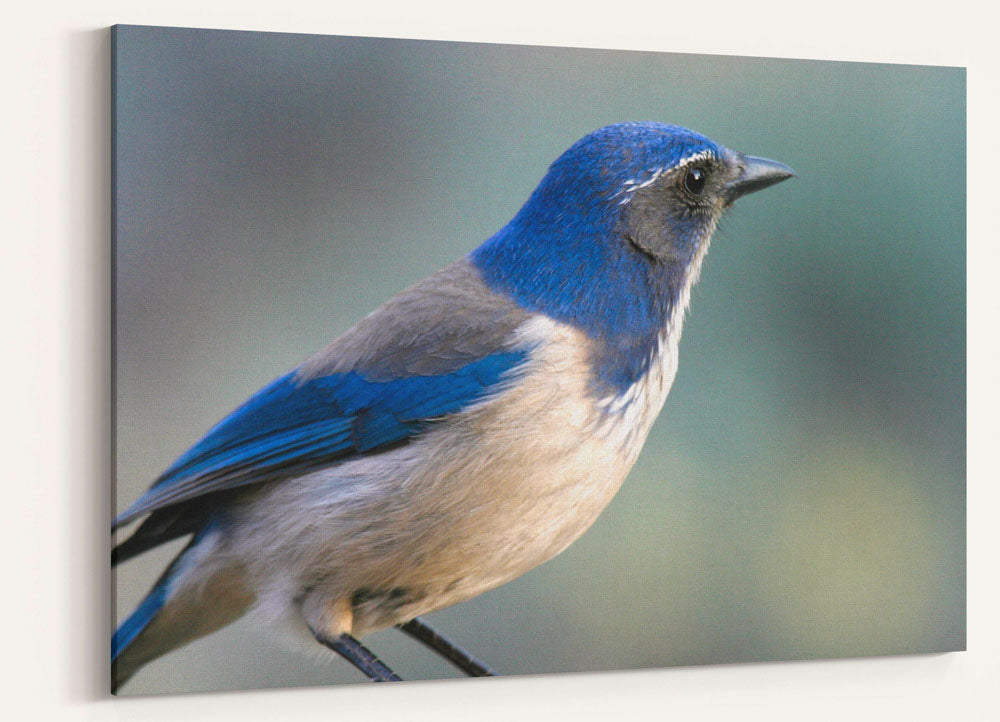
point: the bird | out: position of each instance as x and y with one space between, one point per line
461 434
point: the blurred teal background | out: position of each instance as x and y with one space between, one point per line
803 492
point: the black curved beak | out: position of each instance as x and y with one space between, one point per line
756 174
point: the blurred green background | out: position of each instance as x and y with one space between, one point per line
803 492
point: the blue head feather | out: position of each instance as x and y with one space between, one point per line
565 253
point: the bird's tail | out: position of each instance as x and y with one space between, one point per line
188 601
124 666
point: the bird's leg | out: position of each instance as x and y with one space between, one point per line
360 656
331 625
421 631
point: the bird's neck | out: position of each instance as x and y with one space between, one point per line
626 303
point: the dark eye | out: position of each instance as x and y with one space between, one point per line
694 181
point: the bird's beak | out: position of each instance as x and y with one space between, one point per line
756 174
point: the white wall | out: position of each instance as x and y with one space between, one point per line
55 277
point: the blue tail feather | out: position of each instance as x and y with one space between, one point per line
139 619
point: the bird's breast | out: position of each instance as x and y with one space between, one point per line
558 389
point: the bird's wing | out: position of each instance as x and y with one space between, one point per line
429 352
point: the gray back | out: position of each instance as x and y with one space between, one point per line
436 326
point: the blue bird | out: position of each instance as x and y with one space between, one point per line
466 431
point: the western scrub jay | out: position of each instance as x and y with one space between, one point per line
461 434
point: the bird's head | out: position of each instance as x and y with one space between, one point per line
659 188
614 233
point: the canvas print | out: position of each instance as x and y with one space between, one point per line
400 388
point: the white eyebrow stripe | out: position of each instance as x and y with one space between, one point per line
694 158
656 174
631 185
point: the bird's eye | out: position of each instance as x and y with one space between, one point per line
694 181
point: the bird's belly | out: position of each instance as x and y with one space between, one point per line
439 521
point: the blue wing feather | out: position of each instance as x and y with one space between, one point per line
292 426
